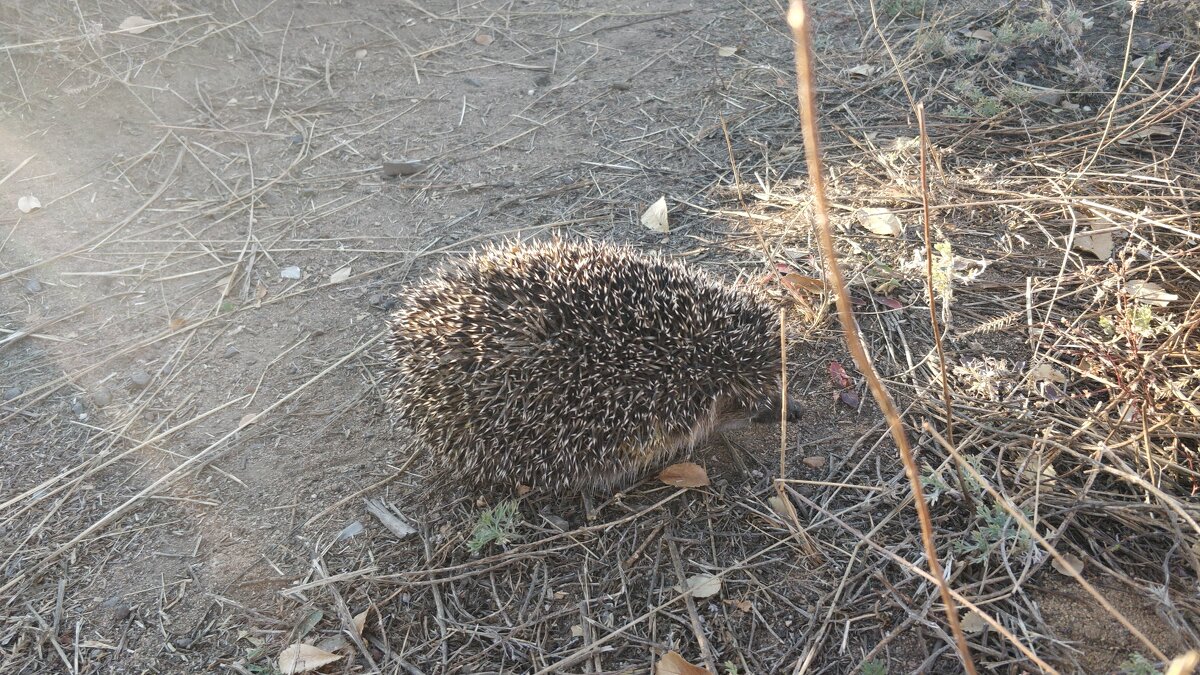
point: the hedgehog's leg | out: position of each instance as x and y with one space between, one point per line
767 412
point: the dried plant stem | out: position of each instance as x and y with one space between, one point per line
934 328
798 18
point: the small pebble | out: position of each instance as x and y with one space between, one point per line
473 82
78 408
33 286
230 352
292 272
183 642
122 613
542 80
139 379
101 397
11 393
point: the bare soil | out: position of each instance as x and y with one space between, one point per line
192 413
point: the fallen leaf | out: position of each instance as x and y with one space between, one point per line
742 606
1044 372
1146 132
340 275
981 34
28 203
1073 563
972 622
177 322
301 658
685 475
798 283
523 489
672 663
1046 477
815 462
890 303
655 217
360 54
1150 293
862 70
484 39
576 630
247 420
782 508
1099 244
260 291
703 585
838 375
880 221
410 167
135 25
850 398
726 51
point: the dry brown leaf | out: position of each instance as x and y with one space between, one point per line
742 606
260 291
798 283
360 621
1047 476
1099 244
880 221
1150 293
301 658
1071 560
782 508
576 630
672 663
703 585
981 34
484 39
972 622
177 322
862 70
814 462
135 25
655 217
1044 372
247 420
340 275
726 51
685 475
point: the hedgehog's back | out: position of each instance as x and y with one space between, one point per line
565 365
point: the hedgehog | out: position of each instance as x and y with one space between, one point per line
576 366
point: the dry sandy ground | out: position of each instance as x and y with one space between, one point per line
209 273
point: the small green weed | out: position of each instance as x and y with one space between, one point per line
874 667
497 525
1137 664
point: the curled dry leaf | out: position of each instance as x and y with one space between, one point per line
703 585
247 420
800 284
135 25
742 606
726 51
685 475
981 34
814 462
301 658
837 374
972 623
1150 293
1071 560
655 217
1099 244
1047 476
28 203
672 663
360 621
880 221
1044 372
340 275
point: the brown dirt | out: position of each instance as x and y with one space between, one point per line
183 169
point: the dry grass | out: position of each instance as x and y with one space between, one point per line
196 521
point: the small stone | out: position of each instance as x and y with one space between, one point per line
78 408
122 612
410 167
292 272
230 352
542 80
33 286
11 393
814 462
473 82
101 397
138 379
183 642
